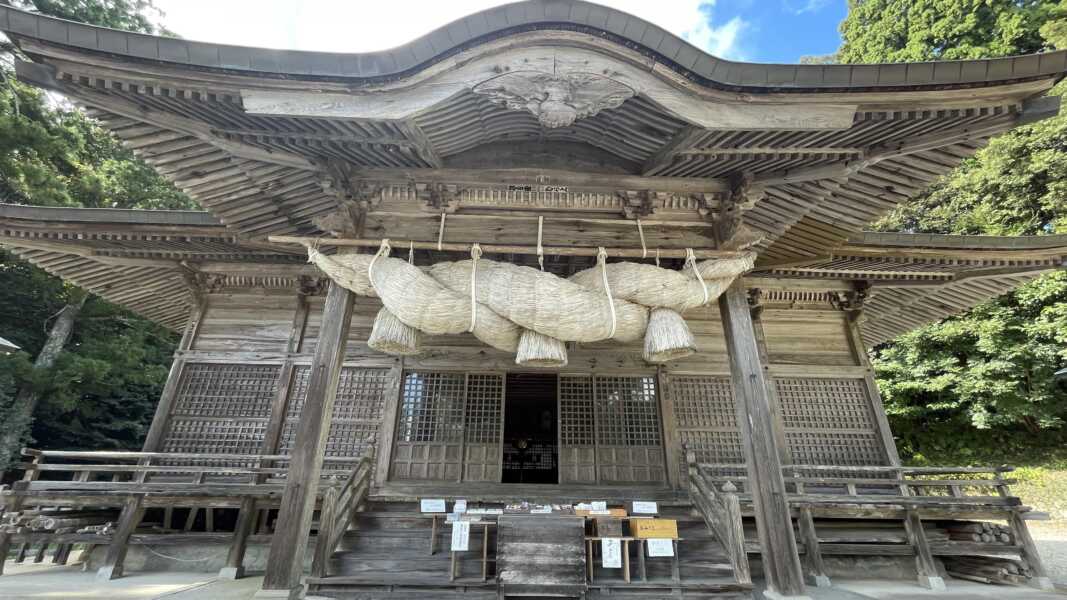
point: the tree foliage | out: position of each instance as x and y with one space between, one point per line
103 388
953 387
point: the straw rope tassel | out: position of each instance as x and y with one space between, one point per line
602 260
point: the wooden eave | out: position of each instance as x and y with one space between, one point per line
152 262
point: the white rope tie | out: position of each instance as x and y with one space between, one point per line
602 260
641 232
657 257
540 248
476 253
383 250
411 253
441 231
691 261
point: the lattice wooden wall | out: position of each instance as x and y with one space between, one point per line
829 421
357 411
577 433
706 420
825 421
221 409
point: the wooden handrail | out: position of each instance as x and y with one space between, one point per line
130 455
338 509
721 511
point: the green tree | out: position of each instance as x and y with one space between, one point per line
99 379
984 376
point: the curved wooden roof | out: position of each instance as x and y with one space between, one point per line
530 15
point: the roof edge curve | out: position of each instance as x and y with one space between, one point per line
528 15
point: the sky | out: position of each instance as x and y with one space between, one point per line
752 30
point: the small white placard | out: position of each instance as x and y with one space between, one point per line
611 553
460 506
600 513
583 506
601 505
485 511
541 510
660 547
645 508
432 506
461 535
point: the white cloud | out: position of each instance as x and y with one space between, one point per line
804 6
362 26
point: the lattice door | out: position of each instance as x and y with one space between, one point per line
483 430
629 438
357 411
706 418
830 422
221 409
577 434
429 438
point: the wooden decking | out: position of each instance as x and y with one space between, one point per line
378 543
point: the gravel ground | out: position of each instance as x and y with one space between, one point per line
1051 539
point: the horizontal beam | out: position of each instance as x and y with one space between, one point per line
542 177
501 249
348 138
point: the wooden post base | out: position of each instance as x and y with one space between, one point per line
936 584
231 572
1042 583
293 594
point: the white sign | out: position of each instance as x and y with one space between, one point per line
541 510
485 511
461 535
611 553
660 547
432 506
645 508
601 505
460 506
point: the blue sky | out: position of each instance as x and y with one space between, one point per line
754 30
783 30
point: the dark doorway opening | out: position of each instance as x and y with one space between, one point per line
531 448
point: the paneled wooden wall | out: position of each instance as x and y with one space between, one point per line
238 385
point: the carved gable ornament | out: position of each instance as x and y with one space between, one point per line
556 100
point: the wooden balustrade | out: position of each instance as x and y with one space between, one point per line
337 512
721 511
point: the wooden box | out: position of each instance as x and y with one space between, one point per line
666 529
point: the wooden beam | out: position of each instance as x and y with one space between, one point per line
540 177
929 577
781 562
682 141
813 561
501 249
280 134
285 564
422 144
42 75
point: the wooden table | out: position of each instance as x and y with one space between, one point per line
454 564
625 555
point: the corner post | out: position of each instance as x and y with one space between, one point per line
778 545
285 564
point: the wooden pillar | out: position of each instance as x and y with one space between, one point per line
285 565
778 546
859 353
812 553
234 568
929 577
130 518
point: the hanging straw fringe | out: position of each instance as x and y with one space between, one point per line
538 350
441 231
540 248
644 250
668 337
392 336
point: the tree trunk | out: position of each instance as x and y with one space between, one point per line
20 414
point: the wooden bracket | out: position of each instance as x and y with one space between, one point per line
439 197
755 302
743 196
356 197
312 286
637 204
853 300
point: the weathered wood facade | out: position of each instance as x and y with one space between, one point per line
541 131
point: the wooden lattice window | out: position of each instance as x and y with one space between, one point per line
707 420
483 427
829 422
356 416
429 438
221 409
577 431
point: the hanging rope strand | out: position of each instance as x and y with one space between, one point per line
540 248
641 232
383 251
691 261
602 260
476 253
441 232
